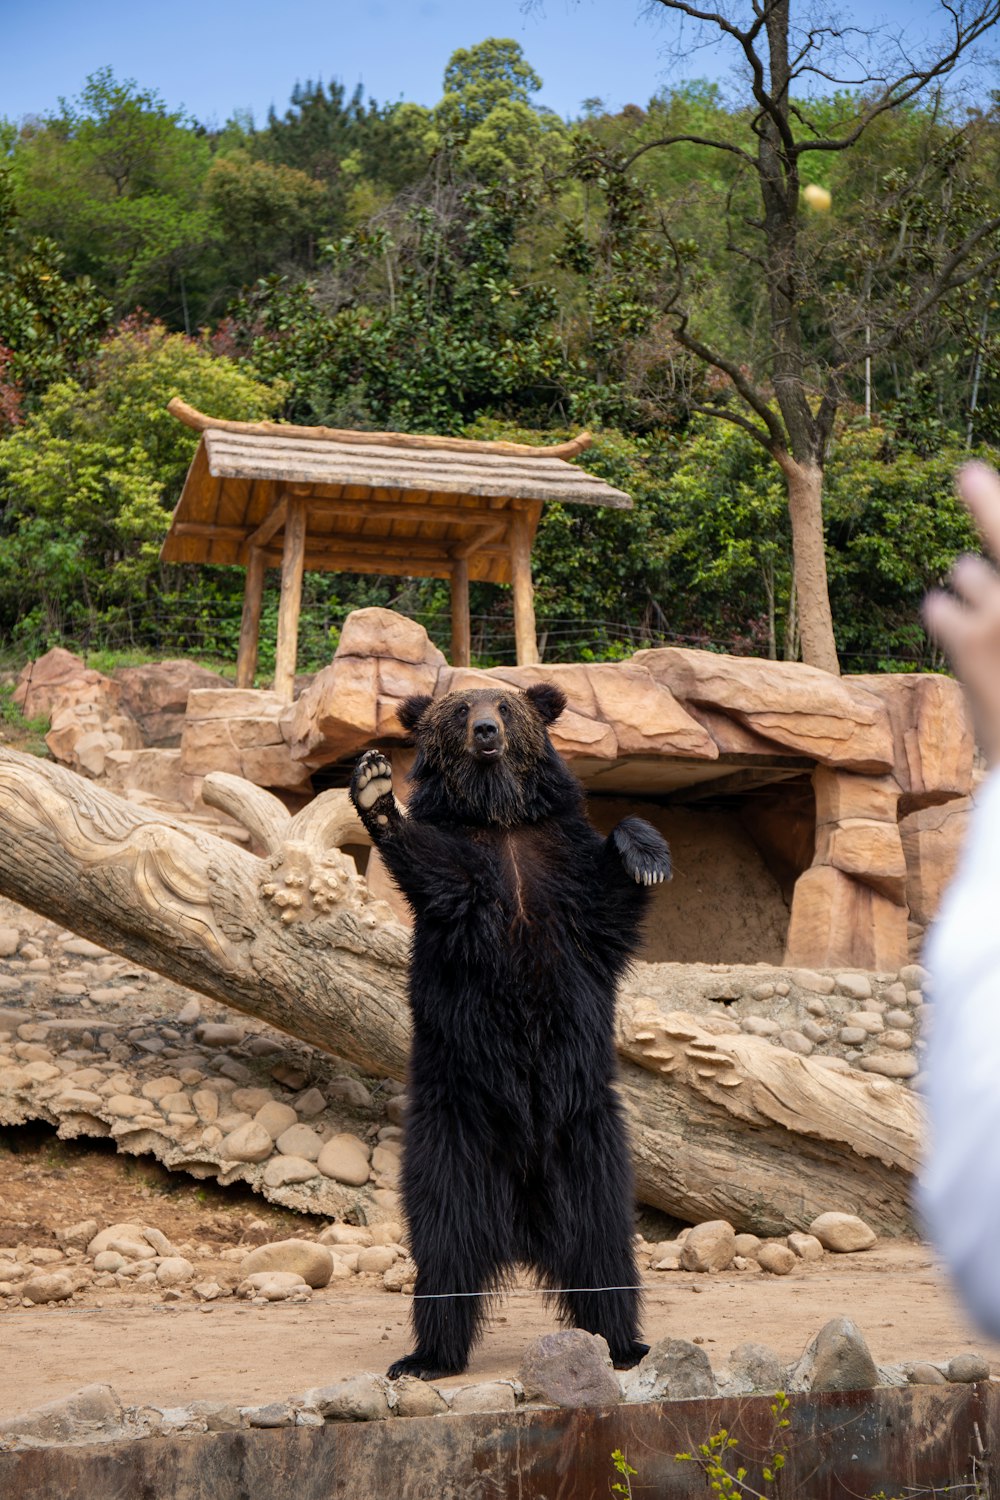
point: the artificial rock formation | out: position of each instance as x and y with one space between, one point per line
722 1125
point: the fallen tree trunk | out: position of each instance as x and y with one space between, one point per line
723 1126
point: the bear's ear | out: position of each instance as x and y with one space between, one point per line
411 710
548 701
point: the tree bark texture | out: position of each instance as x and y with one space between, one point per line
722 1125
815 619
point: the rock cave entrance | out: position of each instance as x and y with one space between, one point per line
737 854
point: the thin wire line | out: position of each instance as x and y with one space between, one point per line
531 1291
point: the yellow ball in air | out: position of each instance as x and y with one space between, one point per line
818 198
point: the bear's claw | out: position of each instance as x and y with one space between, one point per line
643 853
420 1367
371 781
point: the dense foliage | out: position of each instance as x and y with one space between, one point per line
478 267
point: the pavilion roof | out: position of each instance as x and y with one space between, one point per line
387 503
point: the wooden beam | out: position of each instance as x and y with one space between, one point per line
377 510
253 593
191 417
210 530
525 638
472 544
271 523
395 564
292 568
461 625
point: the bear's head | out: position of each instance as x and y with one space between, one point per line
484 756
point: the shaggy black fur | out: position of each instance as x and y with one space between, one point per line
525 920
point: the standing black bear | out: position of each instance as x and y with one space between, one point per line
525 920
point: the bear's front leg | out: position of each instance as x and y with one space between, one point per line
371 793
644 854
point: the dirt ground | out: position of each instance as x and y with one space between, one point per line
152 1350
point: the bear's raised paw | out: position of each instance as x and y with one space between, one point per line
643 852
371 781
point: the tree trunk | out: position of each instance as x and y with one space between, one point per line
804 482
722 1125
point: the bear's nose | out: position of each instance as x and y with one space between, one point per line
485 731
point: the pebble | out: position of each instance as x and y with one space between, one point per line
160 1088
816 1033
346 1234
869 1021
914 976
842 1232
345 1159
746 1244
358 1398
189 1012
9 939
400 1277
252 1099
673 1370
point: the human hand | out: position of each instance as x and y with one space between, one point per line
966 622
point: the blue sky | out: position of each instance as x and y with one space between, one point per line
215 57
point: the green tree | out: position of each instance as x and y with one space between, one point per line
814 327
115 179
87 482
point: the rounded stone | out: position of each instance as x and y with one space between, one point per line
108 1260
923 1373
313 1263
868 1020
250 1142
276 1118
283 1171
345 1159
746 1244
760 1026
855 986
964 1369
709 1246
346 1234
273 1286
300 1140
843 1233
376 1258
131 1232
174 1270
218 1034
899 1020
796 1041
896 1041
54 1287
777 1259
805 1246
852 1036
890 1064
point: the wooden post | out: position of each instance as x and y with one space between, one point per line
525 639
253 593
461 629
292 567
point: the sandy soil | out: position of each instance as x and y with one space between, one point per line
151 1350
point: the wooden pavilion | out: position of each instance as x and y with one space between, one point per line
263 494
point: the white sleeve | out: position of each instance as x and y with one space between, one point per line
960 1192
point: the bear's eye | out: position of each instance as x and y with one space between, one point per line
504 710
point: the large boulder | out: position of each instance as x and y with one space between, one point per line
156 696
239 730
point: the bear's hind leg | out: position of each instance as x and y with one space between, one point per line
585 1250
458 1204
